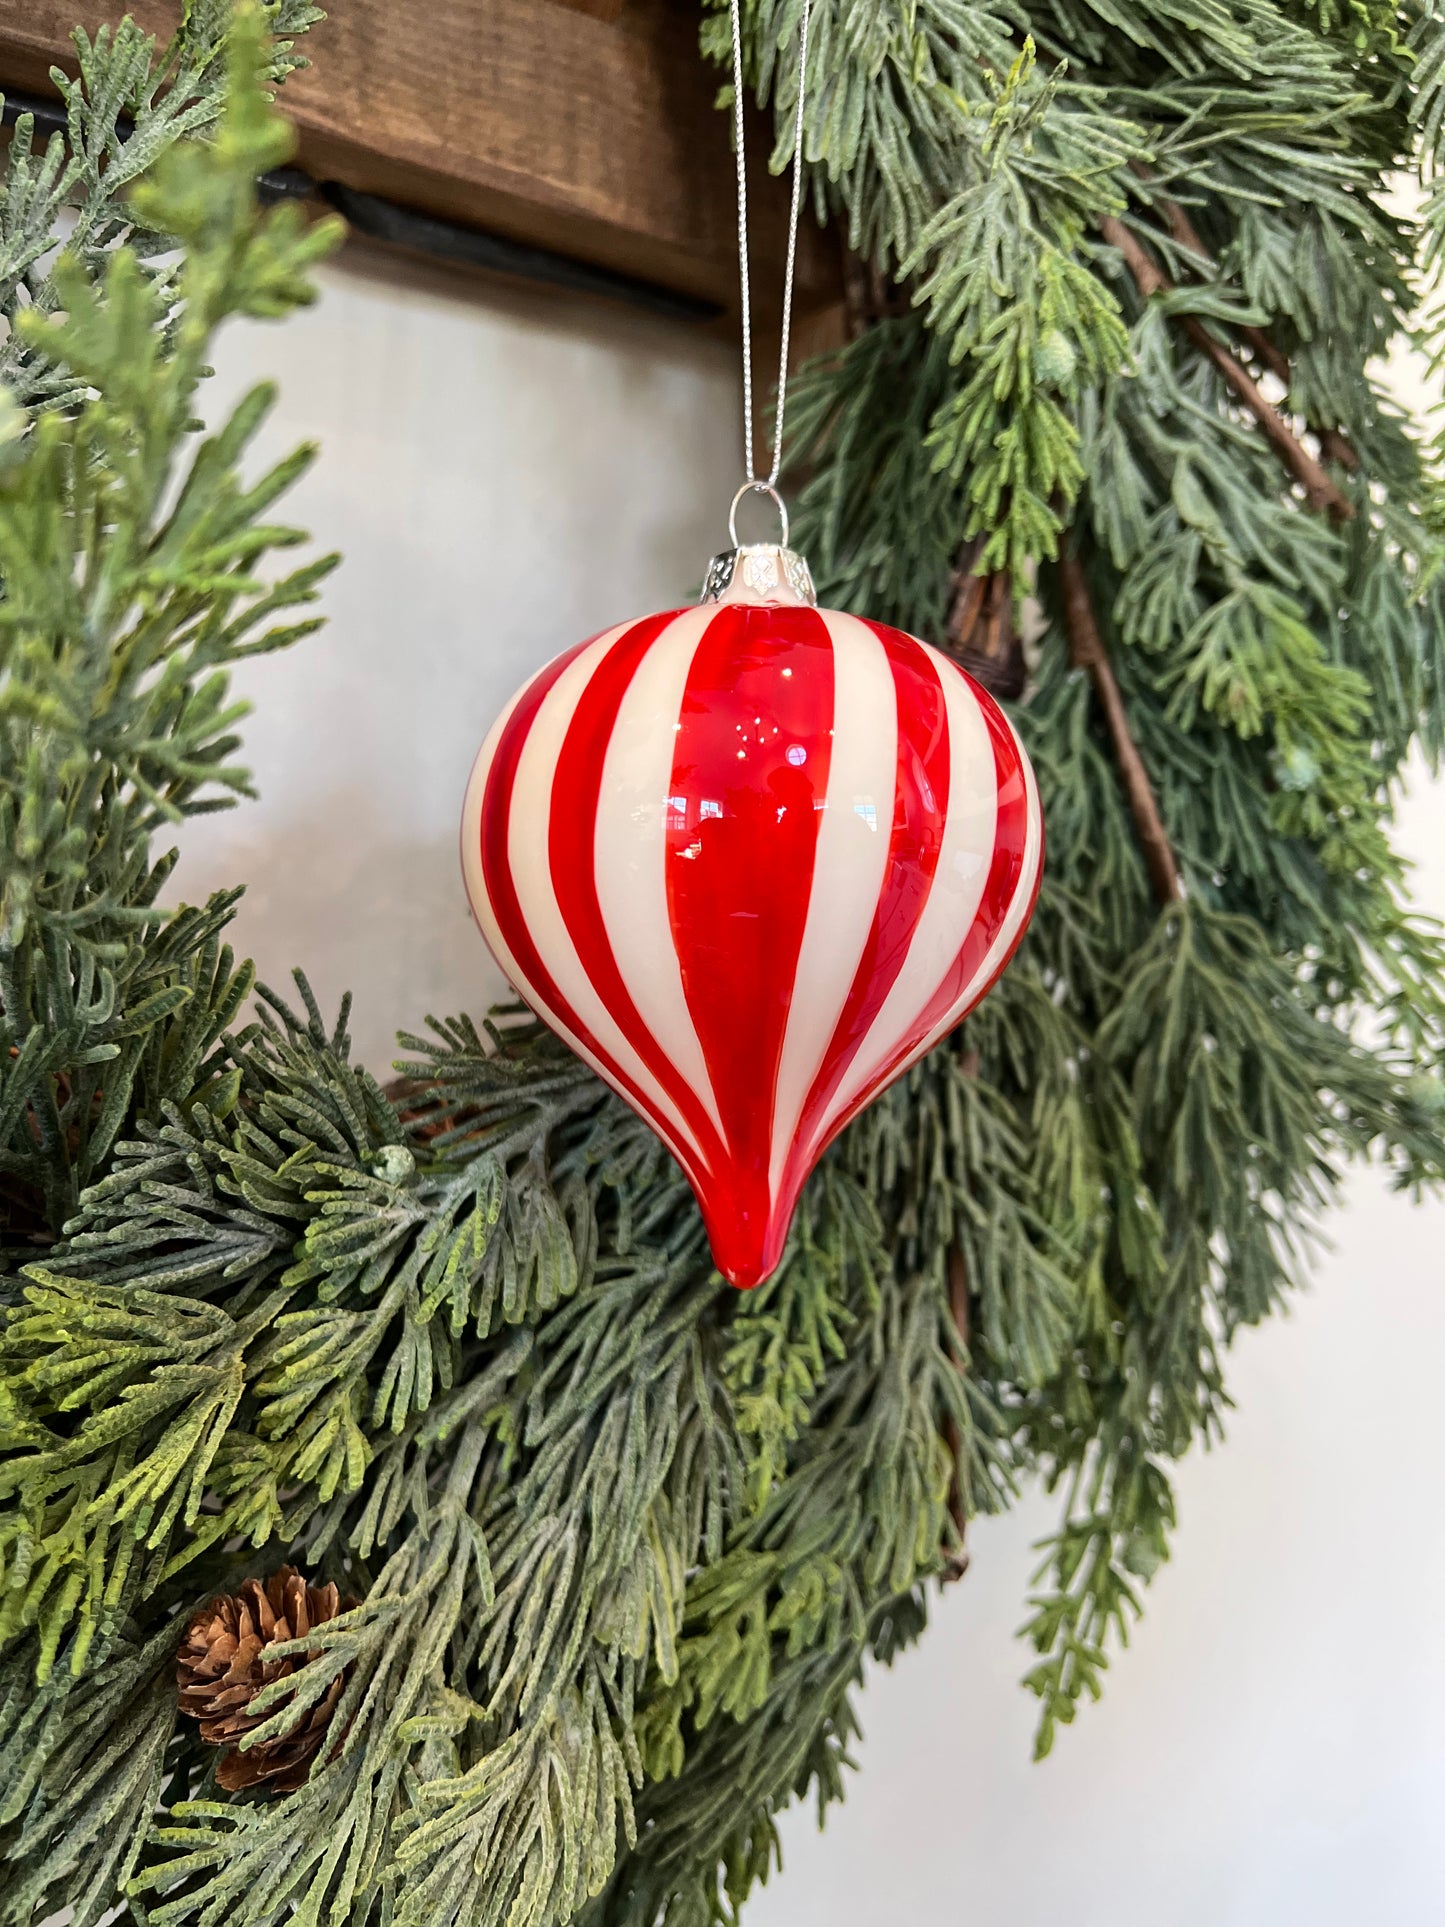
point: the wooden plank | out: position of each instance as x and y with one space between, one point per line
602 9
587 127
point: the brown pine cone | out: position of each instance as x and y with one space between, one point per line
222 1665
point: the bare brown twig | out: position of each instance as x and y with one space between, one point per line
1150 279
955 1559
1333 444
1087 651
979 633
868 295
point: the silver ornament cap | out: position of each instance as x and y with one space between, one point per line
766 573
760 572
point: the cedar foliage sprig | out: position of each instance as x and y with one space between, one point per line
126 107
129 564
623 1541
1272 665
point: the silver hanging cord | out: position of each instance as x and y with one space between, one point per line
755 481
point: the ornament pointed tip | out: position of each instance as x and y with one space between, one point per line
746 1254
746 1277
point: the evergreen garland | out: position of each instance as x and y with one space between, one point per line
623 1539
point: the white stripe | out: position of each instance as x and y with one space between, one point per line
957 890
1018 910
630 853
476 886
848 867
529 858
1023 896
473 874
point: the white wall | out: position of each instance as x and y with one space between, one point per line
509 473
506 474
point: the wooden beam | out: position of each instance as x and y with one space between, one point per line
584 127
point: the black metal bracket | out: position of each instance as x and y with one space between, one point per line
397 225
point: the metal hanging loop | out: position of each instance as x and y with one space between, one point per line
757 486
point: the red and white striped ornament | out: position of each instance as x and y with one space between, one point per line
751 859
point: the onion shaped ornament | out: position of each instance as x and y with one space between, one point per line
752 859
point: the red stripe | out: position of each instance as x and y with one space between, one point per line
1009 846
751 771
920 807
1004 872
538 984
572 843
1001 964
